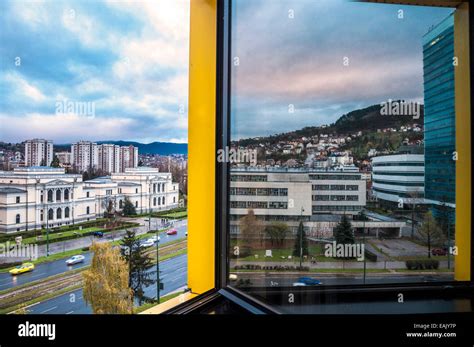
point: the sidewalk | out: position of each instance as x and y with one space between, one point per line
380 265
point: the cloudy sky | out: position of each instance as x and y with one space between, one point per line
128 58
299 61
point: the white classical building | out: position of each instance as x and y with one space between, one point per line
38 197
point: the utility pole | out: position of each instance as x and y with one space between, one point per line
157 247
365 261
157 270
301 239
47 234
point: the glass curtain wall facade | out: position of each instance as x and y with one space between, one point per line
439 125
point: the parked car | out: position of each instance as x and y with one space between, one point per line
98 233
308 281
172 232
439 251
76 259
25 267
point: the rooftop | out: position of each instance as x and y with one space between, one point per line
10 190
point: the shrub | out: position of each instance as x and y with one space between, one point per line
422 264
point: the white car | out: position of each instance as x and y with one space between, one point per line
154 239
76 259
299 284
147 243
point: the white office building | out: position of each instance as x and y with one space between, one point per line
398 178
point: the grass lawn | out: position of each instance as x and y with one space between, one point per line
315 250
162 300
176 215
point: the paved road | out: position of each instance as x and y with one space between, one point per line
287 280
62 246
173 276
58 266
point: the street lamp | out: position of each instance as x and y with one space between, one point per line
301 238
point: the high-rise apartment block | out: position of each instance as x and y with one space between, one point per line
38 152
107 157
84 155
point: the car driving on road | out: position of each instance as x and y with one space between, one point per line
26 267
75 259
306 281
172 232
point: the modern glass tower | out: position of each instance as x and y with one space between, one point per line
439 123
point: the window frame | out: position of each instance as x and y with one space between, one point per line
222 206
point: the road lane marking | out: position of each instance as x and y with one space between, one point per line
70 312
49 309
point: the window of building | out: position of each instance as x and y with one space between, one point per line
163 200
50 214
50 195
17 199
88 210
87 194
154 201
341 163
58 195
66 194
59 213
66 212
17 219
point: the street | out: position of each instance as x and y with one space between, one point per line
173 275
287 280
52 268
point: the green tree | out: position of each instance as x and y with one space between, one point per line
300 241
277 232
250 229
128 208
343 231
43 162
139 263
55 162
106 281
431 232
